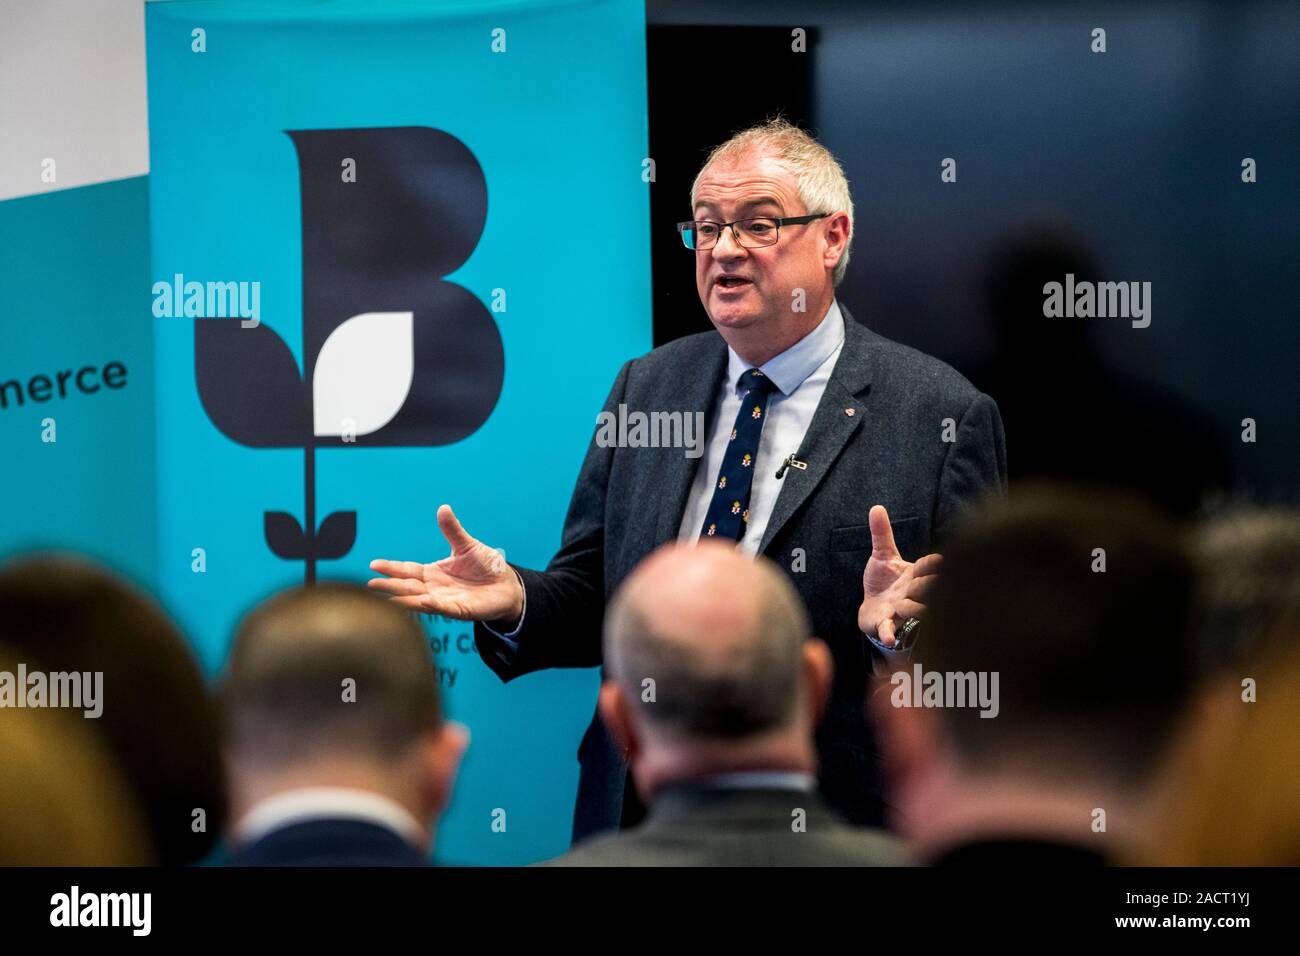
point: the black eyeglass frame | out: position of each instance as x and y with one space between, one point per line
781 221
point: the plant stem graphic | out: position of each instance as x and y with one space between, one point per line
309 506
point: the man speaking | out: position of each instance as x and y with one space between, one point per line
831 450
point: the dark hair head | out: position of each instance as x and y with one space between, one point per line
330 669
1093 665
64 614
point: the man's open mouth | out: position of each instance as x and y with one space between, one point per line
731 282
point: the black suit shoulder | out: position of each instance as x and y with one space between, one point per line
1020 855
328 842
672 358
905 372
915 375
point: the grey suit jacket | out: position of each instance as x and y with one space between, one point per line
694 827
894 427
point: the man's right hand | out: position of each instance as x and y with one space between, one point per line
473 583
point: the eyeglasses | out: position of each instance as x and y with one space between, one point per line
701 234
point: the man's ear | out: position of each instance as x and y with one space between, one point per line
837 238
614 712
443 750
818 672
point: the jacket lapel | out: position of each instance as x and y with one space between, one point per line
696 392
839 414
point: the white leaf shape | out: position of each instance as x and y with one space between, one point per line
364 373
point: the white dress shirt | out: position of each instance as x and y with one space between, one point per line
801 373
760 780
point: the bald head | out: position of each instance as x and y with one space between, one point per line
720 635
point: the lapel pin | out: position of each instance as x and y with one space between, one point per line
849 412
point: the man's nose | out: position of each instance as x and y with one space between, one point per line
727 247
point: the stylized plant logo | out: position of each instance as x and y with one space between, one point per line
392 354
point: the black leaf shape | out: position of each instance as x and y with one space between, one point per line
336 536
284 536
250 386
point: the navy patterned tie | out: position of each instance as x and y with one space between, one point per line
729 510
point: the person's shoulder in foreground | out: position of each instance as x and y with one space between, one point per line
750 827
329 842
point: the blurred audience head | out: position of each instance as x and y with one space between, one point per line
1229 796
332 686
156 724
710 668
1072 606
1249 565
62 800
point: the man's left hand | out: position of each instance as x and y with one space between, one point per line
892 589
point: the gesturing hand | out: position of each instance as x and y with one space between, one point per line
892 588
473 583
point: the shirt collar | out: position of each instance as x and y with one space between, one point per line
789 369
760 780
332 803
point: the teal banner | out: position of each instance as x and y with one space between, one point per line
399 252
76 376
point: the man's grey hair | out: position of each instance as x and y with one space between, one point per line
823 186
702 695
284 698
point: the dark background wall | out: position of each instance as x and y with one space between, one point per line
1123 166
688 66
